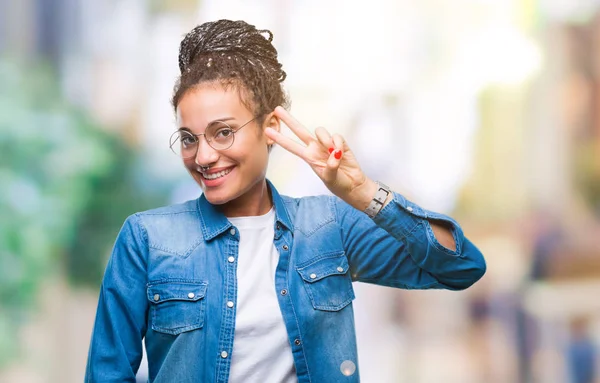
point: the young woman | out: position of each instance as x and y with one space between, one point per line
244 284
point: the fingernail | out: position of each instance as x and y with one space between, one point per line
338 155
330 150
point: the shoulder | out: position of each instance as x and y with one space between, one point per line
168 214
320 204
168 218
180 208
308 202
308 214
172 228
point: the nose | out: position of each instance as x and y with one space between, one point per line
205 155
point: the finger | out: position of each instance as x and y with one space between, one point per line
295 126
339 142
333 164
285 142
324 137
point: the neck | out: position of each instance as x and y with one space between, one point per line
256 201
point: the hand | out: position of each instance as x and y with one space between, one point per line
329 157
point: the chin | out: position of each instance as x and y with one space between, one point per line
216 199
219 196
227 192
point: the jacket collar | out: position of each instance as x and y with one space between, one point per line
213 222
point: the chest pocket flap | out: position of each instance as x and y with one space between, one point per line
177 306
327 282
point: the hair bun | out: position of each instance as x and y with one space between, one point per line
236 37
236 54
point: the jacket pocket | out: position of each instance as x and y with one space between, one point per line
327 281
176 305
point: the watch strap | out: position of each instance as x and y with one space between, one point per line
378 200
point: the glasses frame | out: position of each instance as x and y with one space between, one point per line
197 136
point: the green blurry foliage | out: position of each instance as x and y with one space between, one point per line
66 187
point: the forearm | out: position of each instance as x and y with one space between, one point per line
399 248
454 261
116 344
361 197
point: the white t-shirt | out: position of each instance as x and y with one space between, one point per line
261 350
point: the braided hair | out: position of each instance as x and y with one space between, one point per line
234 53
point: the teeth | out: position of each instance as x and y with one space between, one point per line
215 175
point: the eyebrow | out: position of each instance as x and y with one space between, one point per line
210 123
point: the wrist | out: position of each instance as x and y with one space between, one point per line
370 197
361 196
381 198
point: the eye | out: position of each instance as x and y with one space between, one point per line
223 133
187 140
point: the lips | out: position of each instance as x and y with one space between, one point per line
213 175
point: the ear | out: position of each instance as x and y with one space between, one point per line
271 121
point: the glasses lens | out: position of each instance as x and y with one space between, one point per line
184 144
220 135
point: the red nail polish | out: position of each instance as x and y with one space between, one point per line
338 155
330 150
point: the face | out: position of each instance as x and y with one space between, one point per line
236 177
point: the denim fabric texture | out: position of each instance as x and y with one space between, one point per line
173 270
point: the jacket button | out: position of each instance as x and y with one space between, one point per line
232 231
191 295
230 259
409 208
285 247
156 297
313 276
340 269
297 342
283 292
223 354
348 367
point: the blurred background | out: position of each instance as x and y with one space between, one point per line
487 110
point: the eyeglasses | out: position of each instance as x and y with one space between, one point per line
219 135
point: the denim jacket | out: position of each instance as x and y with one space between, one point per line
173 270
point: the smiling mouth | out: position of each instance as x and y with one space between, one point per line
214 176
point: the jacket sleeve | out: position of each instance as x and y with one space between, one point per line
398 248
116 346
